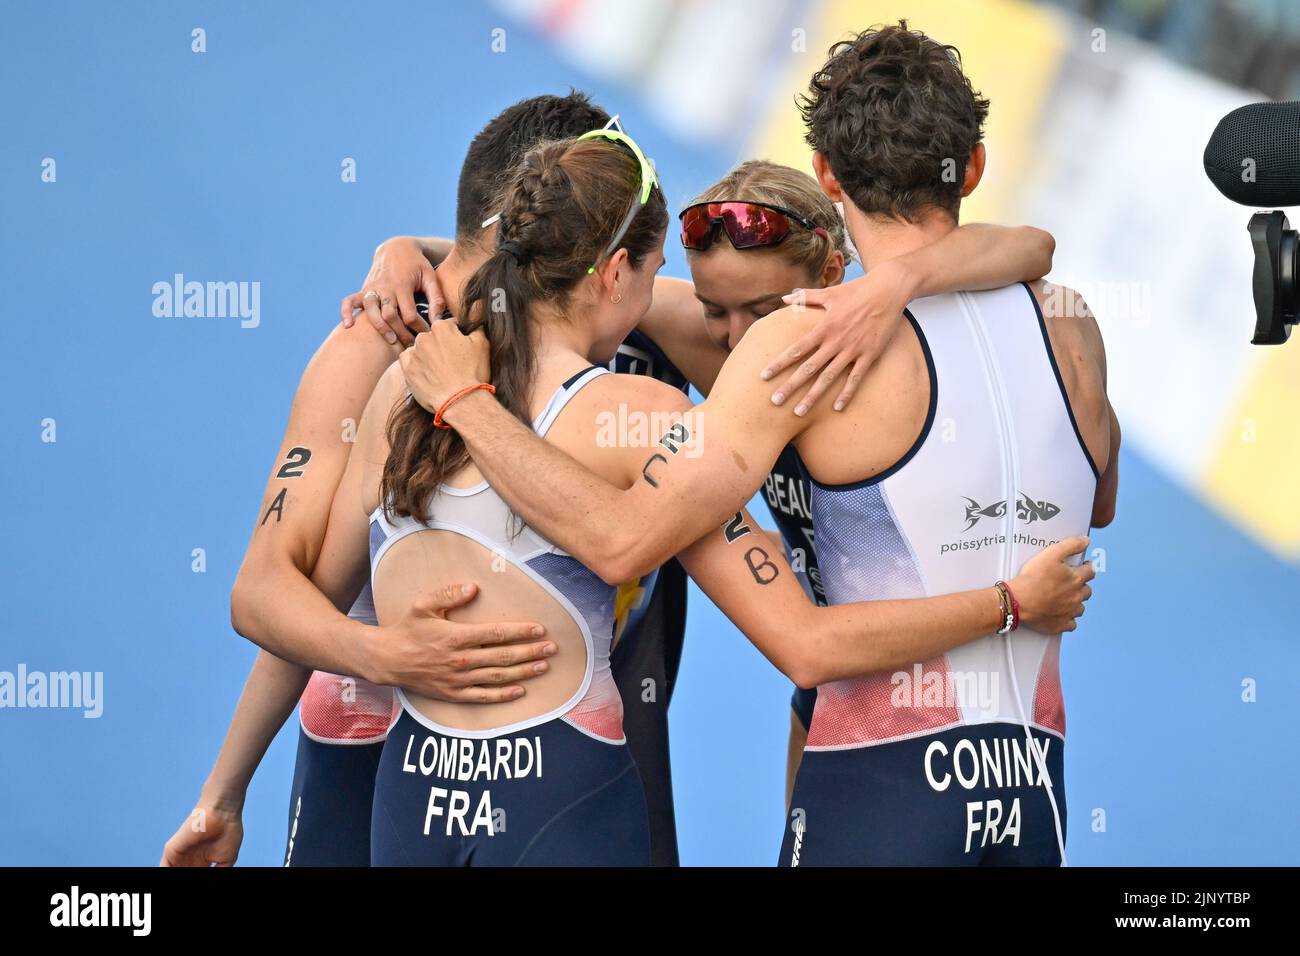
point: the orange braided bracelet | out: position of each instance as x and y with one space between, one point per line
437 416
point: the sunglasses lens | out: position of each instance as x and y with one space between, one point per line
697 229
749 226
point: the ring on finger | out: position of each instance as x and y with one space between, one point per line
372 294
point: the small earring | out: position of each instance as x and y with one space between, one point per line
616 299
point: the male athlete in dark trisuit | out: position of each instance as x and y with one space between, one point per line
996 398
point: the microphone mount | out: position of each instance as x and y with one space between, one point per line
1277 264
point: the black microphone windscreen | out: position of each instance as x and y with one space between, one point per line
1253 157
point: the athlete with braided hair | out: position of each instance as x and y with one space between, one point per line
798 241
546 779
345 705
982 438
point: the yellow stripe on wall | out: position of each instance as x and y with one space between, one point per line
1010 50
1254 475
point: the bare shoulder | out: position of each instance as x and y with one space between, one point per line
616 421
392 380
1071 324
371 448
1080 355
391 387
372 430
775 331
619 400
674 289
358 344
642 392
342 374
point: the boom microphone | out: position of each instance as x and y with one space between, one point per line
1253 157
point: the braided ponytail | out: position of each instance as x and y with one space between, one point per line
558 213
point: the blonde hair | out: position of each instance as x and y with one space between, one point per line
758 180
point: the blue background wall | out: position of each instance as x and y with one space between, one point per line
226 166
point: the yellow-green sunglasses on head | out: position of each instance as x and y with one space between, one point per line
648 182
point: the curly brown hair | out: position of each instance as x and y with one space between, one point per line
896 119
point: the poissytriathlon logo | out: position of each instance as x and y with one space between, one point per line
1027 510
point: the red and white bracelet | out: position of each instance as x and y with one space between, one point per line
1010 608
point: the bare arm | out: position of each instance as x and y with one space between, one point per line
675 323
344 562
269 697
701 472
475 663
751 582
286 541
213 832
620 534
273 603
435 248
1080 354
1103 505
854 321
979 256
274 686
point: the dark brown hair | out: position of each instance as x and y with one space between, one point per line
558 213
896 119
497 148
